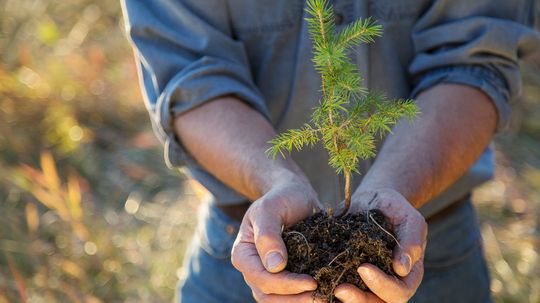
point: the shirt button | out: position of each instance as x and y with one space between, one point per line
338 18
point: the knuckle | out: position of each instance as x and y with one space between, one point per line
416 248
255 206
234 259
416 252
266 241
265 237
265 287
419 218
421 221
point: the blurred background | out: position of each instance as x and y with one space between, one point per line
88 210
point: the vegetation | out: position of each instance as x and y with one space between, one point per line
348 117
87 205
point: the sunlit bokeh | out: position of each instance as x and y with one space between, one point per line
89 212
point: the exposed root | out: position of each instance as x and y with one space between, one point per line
303 237
339 255
330 212
382 228
336 281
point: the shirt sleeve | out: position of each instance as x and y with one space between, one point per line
476 43
186 57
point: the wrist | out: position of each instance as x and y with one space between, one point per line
292 182
388 182
283 174
287 194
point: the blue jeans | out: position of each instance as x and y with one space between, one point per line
455 269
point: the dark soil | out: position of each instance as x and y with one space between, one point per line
332 249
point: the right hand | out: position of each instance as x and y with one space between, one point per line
259 252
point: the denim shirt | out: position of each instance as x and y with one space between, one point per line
193 51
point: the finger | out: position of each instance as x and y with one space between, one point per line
408 224
246 259
268 241
390 288
348 293
307 297
412 238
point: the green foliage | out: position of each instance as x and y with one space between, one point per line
297 138
348 117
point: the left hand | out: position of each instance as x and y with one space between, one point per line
410 229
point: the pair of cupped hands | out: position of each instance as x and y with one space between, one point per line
260 254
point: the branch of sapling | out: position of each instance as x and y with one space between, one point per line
346 134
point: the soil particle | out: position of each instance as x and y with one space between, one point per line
332 249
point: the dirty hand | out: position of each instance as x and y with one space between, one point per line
259 252
410 229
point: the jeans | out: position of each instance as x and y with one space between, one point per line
455 269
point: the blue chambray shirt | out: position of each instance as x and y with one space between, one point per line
192 51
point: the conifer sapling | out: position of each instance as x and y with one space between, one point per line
348 117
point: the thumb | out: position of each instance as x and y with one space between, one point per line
412 237
269 244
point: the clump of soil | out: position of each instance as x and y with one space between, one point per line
331 249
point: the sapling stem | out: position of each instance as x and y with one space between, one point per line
347 193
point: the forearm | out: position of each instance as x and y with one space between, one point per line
229 139
424 157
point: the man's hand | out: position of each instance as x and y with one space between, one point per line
259 252
410 230
229 138
418 161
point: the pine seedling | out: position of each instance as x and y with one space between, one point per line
348 117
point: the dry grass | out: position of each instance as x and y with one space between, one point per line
89 211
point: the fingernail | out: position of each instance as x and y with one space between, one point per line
310 287
340 293
273 260
365 273
406 262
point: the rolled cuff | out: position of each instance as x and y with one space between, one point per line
204 81
477 76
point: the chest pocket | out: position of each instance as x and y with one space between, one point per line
390 11
250 17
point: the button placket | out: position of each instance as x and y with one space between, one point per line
343 12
